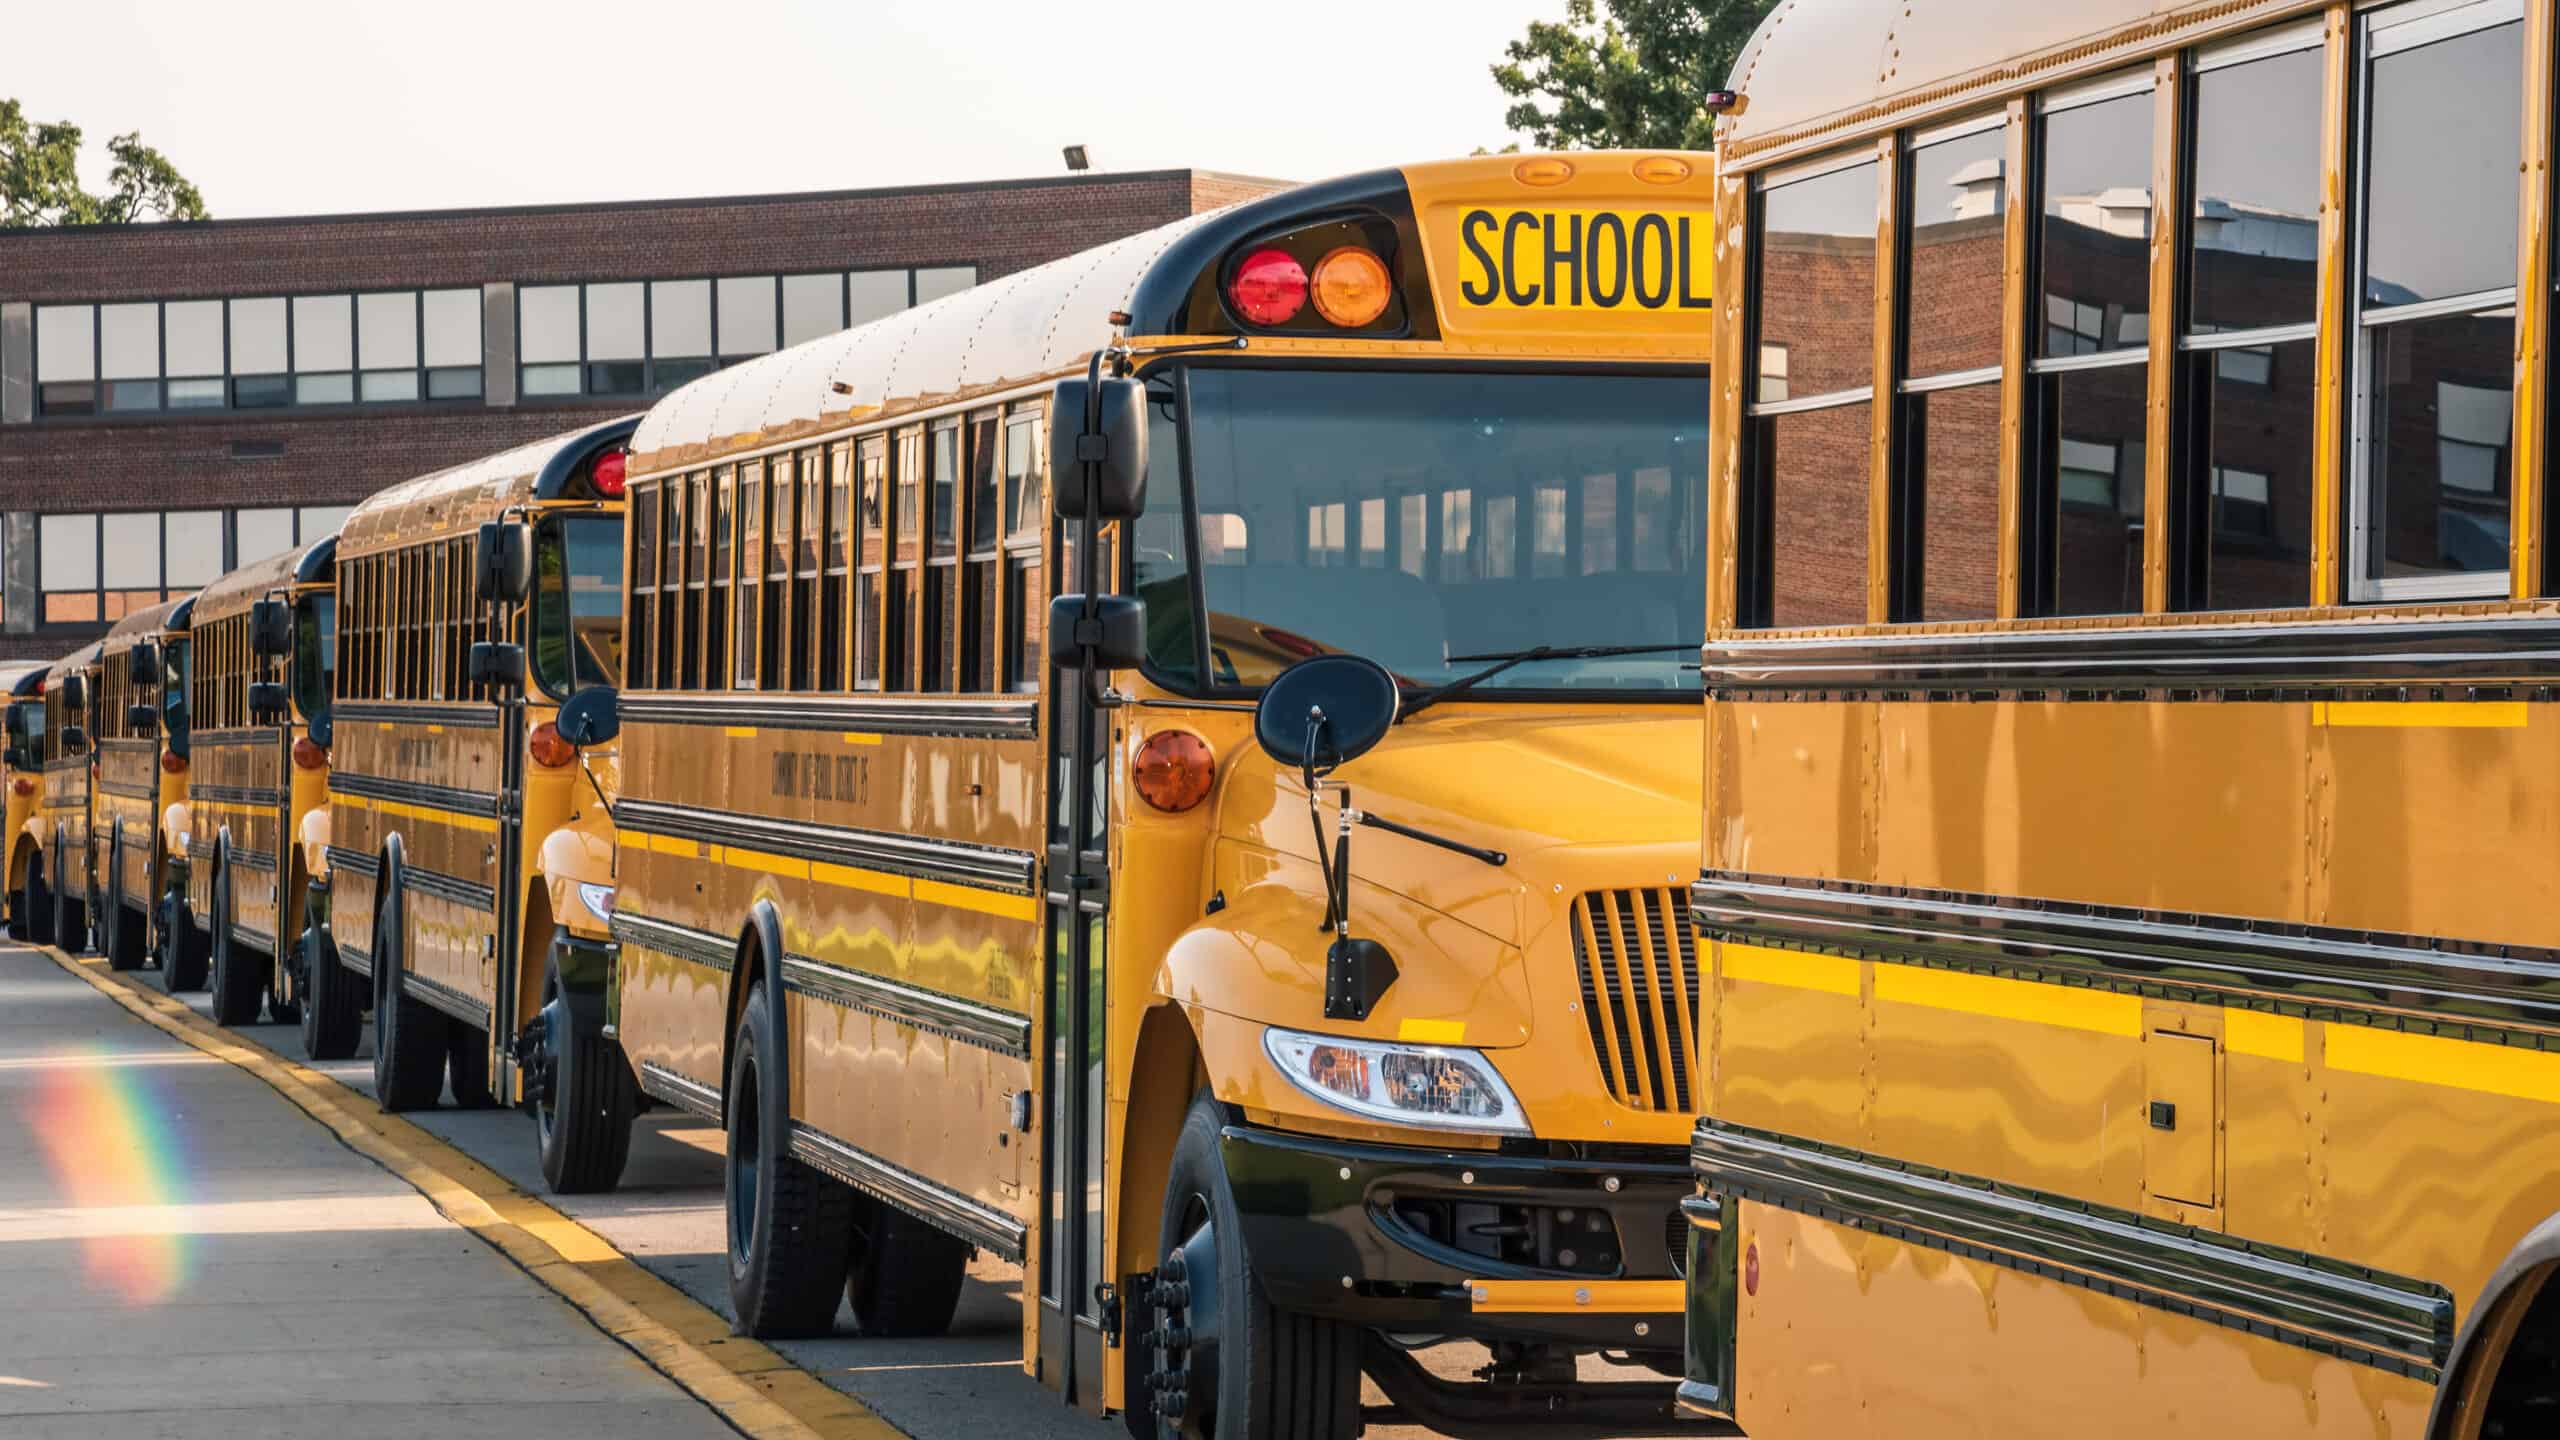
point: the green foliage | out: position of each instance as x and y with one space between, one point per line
40 178
1636 80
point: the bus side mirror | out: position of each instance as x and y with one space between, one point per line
1326 711
15 757
142 664
593 716
143 719
1115 487
506 566
498 664
75 693
1116 636
74 739
270 628
266 701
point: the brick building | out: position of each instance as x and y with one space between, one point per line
179 399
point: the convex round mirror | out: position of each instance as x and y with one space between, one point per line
591 717
1324 711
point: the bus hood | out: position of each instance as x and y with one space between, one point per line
1575 801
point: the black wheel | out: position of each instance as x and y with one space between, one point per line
70 918
408 1034
239 973
467 1059
126 944
333 1002
186 953
790 1227
35 902
583 1099
284 989
904 1278
1223 1361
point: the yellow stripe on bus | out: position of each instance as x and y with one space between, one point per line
484 824
985 902
1797 969
2441 1060
861 737
2101 1011
740 732
2255 1032
852 877
2419 714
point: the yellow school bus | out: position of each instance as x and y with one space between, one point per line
466 836
141 775
2130 802
258 818
23 766
61 871
970 951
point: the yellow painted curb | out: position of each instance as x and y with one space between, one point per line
746 1382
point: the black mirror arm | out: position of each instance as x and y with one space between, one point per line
598 786
1474 852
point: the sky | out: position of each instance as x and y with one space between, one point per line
280 107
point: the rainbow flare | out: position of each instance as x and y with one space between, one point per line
102 1120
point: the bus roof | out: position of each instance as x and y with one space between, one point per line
1045 321
84 658
246 586
1820 71
455 500
144 624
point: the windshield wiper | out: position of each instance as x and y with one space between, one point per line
1505 659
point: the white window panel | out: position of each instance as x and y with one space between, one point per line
453 328
319 521
132 550
547 324
877 294
68 545
812 305
257 337
195 546
194 337
934 282
322 337
66 343
387 331
129 342
746 314
613 322
679 318
257 534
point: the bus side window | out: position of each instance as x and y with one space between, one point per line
906 558
806 624
836 561
1025 506
871 567
756 618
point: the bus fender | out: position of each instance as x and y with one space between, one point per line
569 857
764 926
386 895
314 840
2492 1323
175 823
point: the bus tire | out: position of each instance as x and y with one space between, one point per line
239 980
333 1008
467 1061
35 902
905 1276
186 953
70 922
1275 1374
790 1227
127 945
408 1034
583 1116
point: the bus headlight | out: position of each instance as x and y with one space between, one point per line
598 899
1444 1086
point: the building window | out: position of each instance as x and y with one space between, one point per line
1814 276
255 354
2436 304
101 567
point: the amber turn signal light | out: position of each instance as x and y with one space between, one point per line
173 763
547 748
1351 287
1173 770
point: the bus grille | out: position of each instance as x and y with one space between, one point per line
1639 969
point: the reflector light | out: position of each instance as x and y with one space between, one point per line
173 763
1543 170
1662 170
1173 770
547 748
1351 287
1269 288
607 476
309 754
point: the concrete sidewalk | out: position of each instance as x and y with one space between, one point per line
183 1252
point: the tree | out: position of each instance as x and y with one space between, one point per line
1636 80
40 178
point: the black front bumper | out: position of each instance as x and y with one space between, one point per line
1363 1233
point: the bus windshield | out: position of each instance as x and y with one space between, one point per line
315 655
1430 521
577 604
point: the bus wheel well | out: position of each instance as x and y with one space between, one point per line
533 954
749 969
2523 1396
1165 1073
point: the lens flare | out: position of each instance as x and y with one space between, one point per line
105 1134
